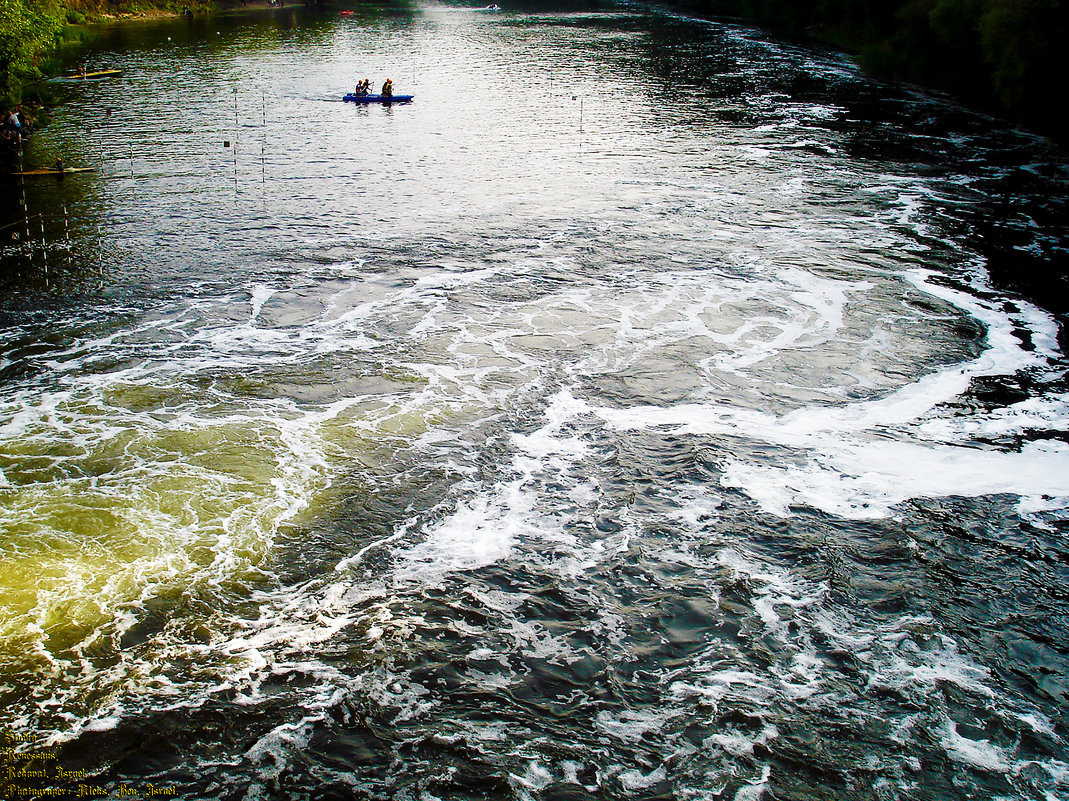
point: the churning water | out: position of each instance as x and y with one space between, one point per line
651 409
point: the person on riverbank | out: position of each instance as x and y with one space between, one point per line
13 123
387 88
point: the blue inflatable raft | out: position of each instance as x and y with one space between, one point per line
355 98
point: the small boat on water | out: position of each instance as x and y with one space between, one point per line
54 171
352 97
92 76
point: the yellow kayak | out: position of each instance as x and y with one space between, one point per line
54 171
78 76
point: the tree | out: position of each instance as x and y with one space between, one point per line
28 28
1024 44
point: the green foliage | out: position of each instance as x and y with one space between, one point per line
31 29
1027 62
1005 55
28 28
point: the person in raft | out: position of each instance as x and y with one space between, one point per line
387 88
363 88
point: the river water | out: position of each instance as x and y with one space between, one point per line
651 409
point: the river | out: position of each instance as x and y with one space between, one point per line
651 409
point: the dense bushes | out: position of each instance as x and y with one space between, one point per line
1005 55
28 29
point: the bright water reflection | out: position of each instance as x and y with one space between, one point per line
631 415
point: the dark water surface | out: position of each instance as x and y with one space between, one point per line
648 410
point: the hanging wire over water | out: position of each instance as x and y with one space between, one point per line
67 235
44 248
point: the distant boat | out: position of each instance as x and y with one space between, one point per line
54 171
352 97
346 13
82 76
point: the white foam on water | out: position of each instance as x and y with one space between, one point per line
1058 770
550 440
521 508
1036 722
774 588
274 751
767 356
260 295
476 534
202 480
737 745
866 481
697 508
535 777
977 753
484 528
633 726
102 724
915 659
740 686
909 656
634 780
1043 413
861 459
755 790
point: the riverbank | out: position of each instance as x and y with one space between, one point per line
219 6
30 88
35 33
997 56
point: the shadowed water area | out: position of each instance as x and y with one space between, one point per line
651 409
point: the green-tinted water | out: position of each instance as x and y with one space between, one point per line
632 415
